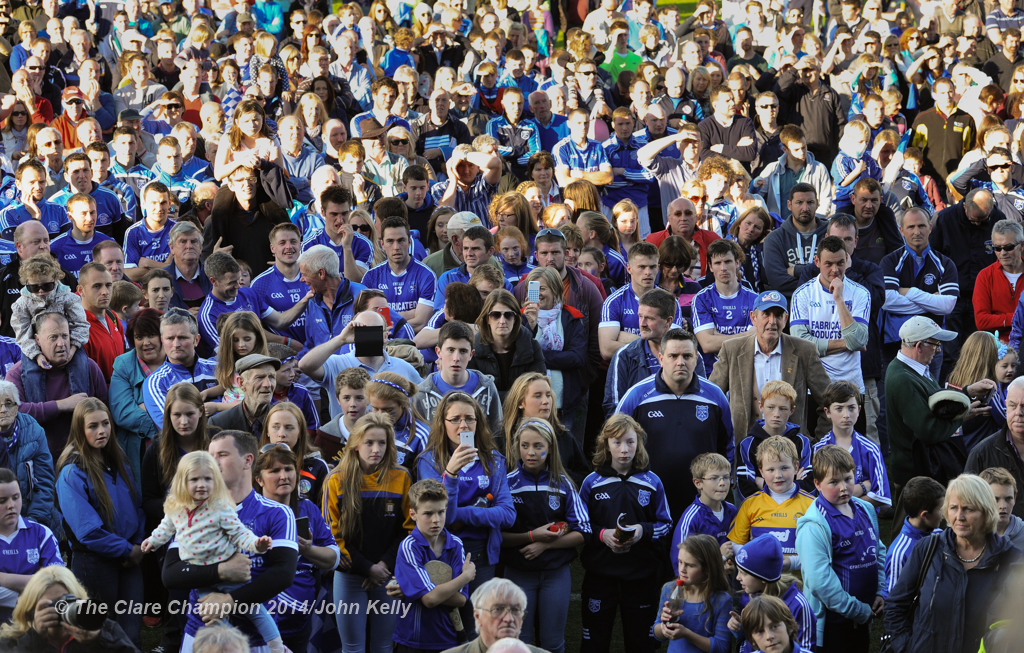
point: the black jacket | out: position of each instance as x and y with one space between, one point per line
965 243
995 451
251 240
820 113
111 639
527 356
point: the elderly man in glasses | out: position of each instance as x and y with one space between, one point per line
499 607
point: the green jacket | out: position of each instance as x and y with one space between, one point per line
918 440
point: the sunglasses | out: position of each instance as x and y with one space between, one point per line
1004 248
497 315
41 287
19 113
73 102
274 445
1000 166
551 231
588 72
697 198
399 141
33 67
173 106
365 228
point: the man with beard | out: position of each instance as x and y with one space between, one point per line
790 248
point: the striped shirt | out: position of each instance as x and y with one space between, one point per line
476 199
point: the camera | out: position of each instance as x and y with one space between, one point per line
80 613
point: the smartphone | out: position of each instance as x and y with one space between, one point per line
385 311
369 341
302 527
467 438
533 291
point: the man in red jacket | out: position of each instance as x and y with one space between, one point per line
106 337
682 221
998 287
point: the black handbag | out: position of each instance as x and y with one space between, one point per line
929 553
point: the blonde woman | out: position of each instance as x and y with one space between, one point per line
313 115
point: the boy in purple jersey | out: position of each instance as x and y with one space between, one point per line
722 310
426 624
408 285
280 285
842 556
709 513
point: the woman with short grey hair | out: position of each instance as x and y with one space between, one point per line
25 451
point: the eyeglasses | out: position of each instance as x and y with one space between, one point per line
588 72
274 445
1004 248
499 611
768 106
364 228
19 113
41 287
497 315
33 67
469 421
716 479
999 166
933 343
551 231
696 198
8 405
399 141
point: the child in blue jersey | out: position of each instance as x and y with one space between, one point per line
513 250
391 394
770 626
775 508
625 564
475 477
842 408
852 164
922 499
709 513
592 261
350 391
778 401
1004 486
28 546
551 522
704 615
759 572
842 556
427 626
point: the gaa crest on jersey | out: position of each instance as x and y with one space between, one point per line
553 501
1018 204
305 486
929 279
644 497
594 605
483 481
32 556
702 412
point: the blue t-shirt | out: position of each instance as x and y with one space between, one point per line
589 159
282 294
140 242
362 248
712 624
622 308
28 550
247 300
53 216
404 291
108 205
72 253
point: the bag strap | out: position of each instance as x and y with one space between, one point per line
930 548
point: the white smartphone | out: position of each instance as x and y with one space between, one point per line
468 438
533 291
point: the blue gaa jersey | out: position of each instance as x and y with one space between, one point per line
53 216
247 300
679 428
154 390
616 266
108 205
262 516
933 281
292 607
857 553
869 465
814 308
10 353
899 553
73 253
408 445
362 248
539 501
728 314
282 294
589 159
140 242
136 177
405 290
125 193
30 548
422 627
621 309
699 519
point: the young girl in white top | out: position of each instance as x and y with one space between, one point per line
200 513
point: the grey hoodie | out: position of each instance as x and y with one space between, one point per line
1015 532
784 247
486 394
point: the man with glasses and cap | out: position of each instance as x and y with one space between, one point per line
382 167
921 442
765 353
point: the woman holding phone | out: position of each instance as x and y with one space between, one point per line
460 453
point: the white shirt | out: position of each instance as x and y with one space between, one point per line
767 367
920 368
815 309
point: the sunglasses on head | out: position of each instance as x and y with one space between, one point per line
41 287
551 231
274 445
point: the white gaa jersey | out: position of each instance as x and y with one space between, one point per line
814 308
